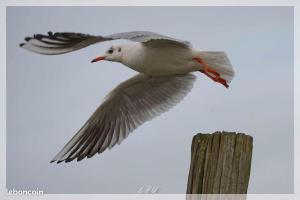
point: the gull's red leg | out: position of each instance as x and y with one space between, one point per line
210 72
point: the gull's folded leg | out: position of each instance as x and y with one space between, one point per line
208 72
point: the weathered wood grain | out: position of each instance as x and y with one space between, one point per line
220 163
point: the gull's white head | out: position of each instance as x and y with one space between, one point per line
114 53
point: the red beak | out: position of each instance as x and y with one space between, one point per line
98 59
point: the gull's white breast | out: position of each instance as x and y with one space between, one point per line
159 61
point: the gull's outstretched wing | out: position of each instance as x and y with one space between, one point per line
64 42
129 105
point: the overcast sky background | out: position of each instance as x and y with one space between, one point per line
50 97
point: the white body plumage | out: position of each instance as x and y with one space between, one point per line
159 61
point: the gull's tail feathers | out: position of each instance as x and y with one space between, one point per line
219 62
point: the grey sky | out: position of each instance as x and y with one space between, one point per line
50 97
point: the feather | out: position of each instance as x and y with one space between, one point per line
129 105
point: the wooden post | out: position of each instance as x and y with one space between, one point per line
220 163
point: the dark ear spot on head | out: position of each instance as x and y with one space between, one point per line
119 49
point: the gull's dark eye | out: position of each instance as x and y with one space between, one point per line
110 51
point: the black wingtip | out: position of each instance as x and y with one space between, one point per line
27 39
21 45
59 161
52 161
50 33
38 36
68 160
80 158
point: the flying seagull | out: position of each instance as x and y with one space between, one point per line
164 79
